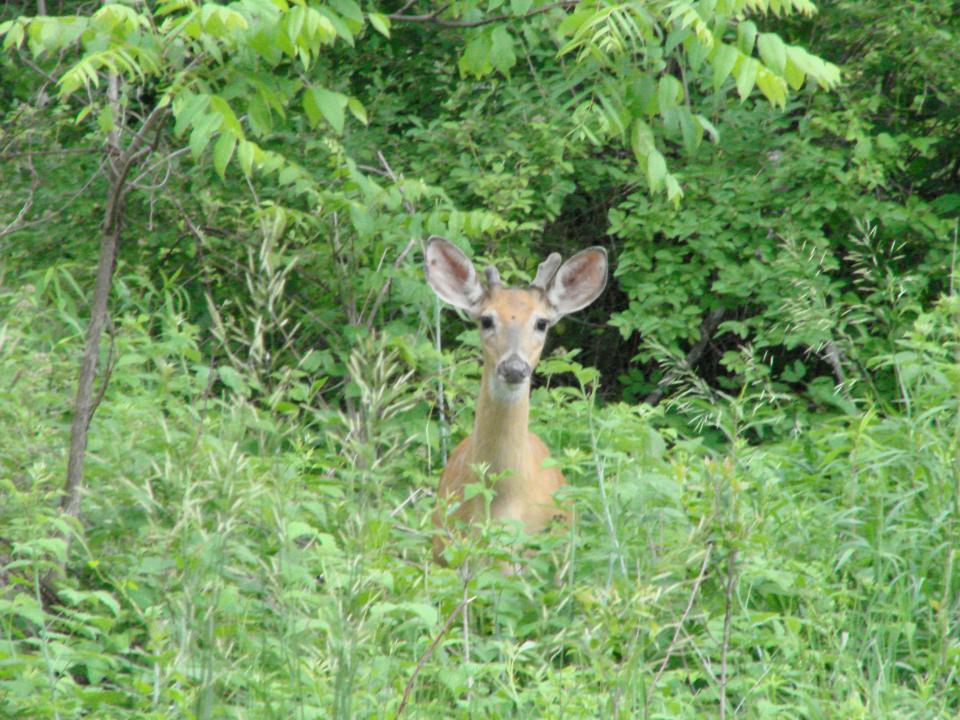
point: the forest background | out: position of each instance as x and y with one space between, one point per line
226 392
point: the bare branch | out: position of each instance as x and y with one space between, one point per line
426 656
18 222
434 19
683 618
707 328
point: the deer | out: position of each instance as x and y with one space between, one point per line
513 325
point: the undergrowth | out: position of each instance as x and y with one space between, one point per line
254 553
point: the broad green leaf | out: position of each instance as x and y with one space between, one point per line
773 87
794 75
746 36
318 101
223 151
230 121
674 192
297 529
245 154
521 7
723 61
502 56
641 139
105 119
709 127
476 57
746 73
350 11
357 110
669 91
773 52
82 114
380 22
186 108
690 129
206 125
656 170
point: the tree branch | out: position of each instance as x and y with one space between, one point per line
426 656
18 222
683 618
707 328
434 19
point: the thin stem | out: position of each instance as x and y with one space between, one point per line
683 618
429 651
727 617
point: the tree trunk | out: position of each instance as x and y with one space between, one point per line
84 404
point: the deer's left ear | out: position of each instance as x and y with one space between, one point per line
579 281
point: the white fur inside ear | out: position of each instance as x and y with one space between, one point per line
451 275
579 281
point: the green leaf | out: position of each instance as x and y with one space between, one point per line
245 154
773 52
476 57
690 129
230 121
380 22
521 7
502 56
105 119
669 92
296 529
186 109
709 127
203 130
722 64
773 87
794 75
746 36
641 139
656 170
674 193
357 110
223 151
746 74
82 114
318 101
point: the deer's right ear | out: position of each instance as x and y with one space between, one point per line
452 276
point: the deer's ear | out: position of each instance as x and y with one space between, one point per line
452 276
579 281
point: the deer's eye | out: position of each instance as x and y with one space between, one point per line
541 325
486 322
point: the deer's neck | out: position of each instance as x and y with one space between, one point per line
500 435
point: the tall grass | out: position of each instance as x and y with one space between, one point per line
262 556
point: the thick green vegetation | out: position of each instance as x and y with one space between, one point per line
759 420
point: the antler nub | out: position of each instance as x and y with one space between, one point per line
493 277
546 271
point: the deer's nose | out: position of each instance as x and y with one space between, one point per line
514 369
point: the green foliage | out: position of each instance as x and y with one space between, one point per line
240 560
775 539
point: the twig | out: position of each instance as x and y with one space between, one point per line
707 328
107 373
683 618
60 151
432 18
429 651
18 221
385 288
